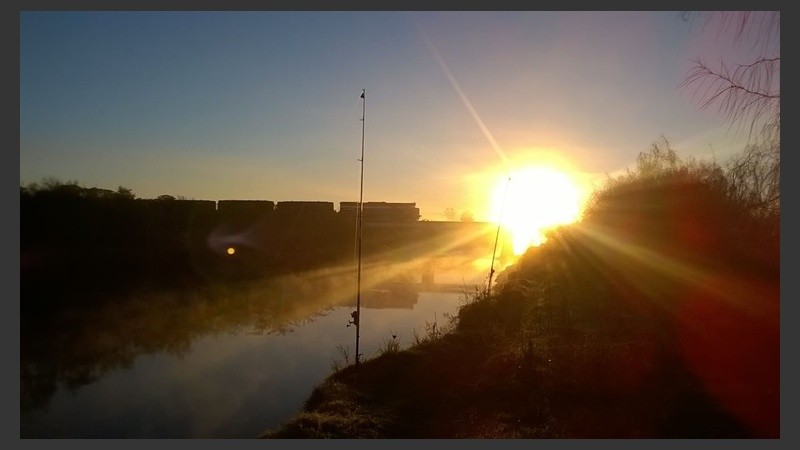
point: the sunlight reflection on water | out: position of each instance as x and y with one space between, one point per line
231 383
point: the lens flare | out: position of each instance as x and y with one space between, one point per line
535 199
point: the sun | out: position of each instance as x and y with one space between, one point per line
533 199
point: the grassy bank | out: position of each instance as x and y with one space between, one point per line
656 316
483 381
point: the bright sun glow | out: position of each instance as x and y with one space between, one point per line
535 199
231 250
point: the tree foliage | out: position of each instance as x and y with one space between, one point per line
678 257
747 95
52 187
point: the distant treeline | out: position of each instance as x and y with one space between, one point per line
77 241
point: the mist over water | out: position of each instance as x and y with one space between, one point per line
223 361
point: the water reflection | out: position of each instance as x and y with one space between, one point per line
222 361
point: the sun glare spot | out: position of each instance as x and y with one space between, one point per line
535 199
231 250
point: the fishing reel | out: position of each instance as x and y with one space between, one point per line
354 320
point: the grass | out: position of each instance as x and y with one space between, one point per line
334 410
655 317
483 380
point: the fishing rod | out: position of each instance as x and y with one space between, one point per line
359 229
496 237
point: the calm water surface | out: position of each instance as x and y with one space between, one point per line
220 364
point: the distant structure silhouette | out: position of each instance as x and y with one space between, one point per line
382 211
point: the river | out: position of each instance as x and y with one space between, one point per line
221 362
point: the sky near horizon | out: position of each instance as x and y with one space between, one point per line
266 104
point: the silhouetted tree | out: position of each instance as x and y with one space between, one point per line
125 192
671 258
746 94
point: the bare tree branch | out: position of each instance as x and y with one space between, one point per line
763 27
748 95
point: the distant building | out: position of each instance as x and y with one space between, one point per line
304 209
179 207
244 208
383 211
349 208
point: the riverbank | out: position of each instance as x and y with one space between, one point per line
656 316
488 378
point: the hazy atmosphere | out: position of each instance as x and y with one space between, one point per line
265 105
380 225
